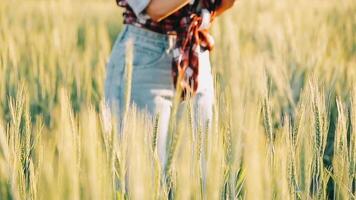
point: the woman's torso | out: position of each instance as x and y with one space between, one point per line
175 22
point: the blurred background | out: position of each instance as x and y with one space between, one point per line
285 118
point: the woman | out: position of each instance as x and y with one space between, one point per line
171 50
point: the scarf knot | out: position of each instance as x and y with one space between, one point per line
194 38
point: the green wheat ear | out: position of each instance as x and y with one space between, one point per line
318 140
155 133
268 123
173 133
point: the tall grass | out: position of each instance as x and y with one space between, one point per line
284 124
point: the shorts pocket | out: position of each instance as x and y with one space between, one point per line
147 55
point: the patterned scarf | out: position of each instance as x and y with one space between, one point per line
188 30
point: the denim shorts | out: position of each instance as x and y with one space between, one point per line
152 87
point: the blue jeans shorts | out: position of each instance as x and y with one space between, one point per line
152 87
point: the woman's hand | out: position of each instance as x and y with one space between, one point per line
160 9
225 5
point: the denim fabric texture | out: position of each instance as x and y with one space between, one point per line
152 85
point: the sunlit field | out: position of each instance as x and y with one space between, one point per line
284 120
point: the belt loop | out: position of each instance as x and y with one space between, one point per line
172 40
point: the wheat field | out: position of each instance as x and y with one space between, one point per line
284 122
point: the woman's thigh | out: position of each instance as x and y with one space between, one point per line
204 99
